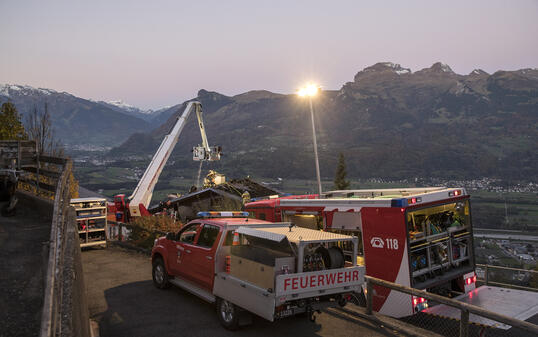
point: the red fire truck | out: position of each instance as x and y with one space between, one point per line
418 237
273 270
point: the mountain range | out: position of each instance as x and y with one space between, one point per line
389 122
78 121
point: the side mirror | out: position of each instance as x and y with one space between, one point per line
170 236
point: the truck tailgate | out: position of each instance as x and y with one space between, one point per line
519 304
246 295
316 283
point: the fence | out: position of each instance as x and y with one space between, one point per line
449 328
38 174
507 277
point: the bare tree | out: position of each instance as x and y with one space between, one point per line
39 128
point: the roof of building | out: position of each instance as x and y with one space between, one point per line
239 186
231 190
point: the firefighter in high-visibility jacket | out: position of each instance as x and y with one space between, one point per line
246 198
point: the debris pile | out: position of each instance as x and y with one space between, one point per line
217 195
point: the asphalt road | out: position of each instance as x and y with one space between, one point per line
123 300
24 240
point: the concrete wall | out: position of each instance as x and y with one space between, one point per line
75 317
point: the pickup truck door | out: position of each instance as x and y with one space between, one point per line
201 259
180 249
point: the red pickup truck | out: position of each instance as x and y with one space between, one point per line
245 265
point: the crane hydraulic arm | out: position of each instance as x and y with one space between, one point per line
204 152
141 197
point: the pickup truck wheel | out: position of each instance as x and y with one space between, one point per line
358 299
228 314
160 276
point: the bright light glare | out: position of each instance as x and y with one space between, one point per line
308 90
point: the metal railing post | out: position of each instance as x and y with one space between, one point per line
369 297
464 323
486 275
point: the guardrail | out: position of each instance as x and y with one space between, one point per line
488 281
40 173
465 308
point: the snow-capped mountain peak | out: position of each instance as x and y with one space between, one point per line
440 67
25 90
478 72
397 68
387 66
121 104
446 68
437 68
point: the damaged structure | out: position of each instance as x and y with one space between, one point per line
227 196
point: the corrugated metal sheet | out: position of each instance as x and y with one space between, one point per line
260 234
296 234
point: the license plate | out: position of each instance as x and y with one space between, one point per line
286 313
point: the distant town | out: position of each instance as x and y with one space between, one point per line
480 184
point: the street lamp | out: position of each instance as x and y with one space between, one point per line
310 91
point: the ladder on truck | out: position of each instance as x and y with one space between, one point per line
143 192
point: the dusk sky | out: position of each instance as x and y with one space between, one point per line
157 53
